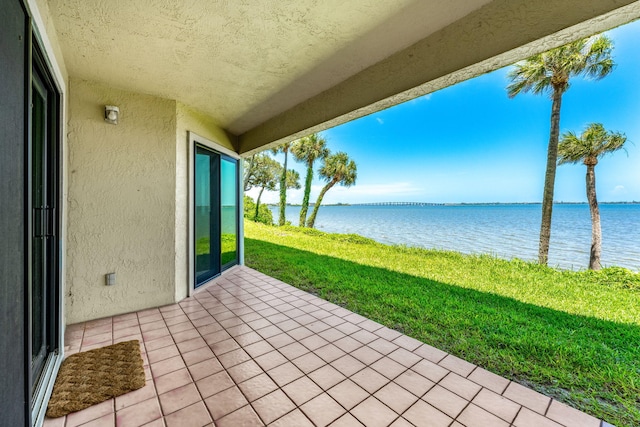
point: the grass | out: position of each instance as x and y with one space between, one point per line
574 336
227 248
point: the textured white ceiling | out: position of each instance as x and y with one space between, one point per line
240 61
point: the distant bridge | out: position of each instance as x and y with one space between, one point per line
398 204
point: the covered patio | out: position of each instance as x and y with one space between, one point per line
249 350
110 111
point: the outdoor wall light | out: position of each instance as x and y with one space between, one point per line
111 114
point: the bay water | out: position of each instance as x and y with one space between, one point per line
503 230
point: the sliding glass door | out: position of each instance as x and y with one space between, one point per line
229 212
43 286
215 212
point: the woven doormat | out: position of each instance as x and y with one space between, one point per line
94 376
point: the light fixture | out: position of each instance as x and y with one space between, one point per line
111 114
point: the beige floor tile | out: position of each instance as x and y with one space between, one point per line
373 413
322 410
347 420
225 402
528 418
404 357
309 362
396 397
213 384
460 386
243 417
430 353
285 373
172 380
527 397
348 365
366 355
430 370
329 353
569 416
257 387
302 390
414 382
195 415
369 380
293 350
326 377
205 368
446 401
270 360
474 416
197 356
497 405
166 366
388 367
293 419
179 398
90 413
457 365
244 371
489 380
348 394
422 411
273 406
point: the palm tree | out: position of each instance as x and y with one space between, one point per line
587 148
336 169
308 150
550 72
292 180
283 148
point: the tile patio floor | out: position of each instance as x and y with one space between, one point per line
249 350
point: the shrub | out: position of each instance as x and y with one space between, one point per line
264 213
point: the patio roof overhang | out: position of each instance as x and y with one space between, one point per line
269 72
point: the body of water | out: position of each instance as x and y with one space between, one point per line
506 231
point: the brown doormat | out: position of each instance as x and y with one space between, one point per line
94 376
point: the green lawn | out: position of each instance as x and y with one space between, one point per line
574 336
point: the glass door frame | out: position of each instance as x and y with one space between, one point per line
41 73
196 140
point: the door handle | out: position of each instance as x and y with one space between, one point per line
44 222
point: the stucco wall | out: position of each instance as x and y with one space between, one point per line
122 204
189 120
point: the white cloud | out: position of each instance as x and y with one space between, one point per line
359 193
421 98
379 120
619 189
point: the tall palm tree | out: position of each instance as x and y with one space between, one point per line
336 169
307 150
550 72
283 148
592 144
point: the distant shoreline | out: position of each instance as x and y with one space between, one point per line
460 203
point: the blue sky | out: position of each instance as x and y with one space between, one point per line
471 143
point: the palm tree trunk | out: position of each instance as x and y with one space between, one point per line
596 231
307 192
255 216
550 178
282 220
312 219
